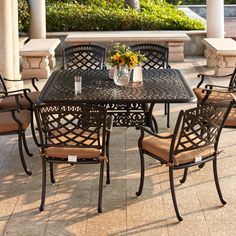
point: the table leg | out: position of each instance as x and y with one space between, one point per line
152 123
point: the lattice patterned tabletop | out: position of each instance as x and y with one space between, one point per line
158 86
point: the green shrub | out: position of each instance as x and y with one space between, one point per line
112 16
23 15
103 15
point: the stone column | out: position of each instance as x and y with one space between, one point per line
6 65
37 19
9 50
215 18
15 40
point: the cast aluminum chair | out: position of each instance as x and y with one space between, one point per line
73 134
83 57
157 57
15 121
26 101
193 142
217 93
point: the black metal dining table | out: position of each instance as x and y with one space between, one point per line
127 104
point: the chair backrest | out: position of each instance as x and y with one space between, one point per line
71 125
3 87
232 82
83 57
157 56
199 127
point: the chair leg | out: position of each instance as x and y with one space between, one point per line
108 163
33 130
52 174
217 182
151 119
172 187
41 208
184 176
26 146
108 171
141 174
168 115
165 109
28 172
100 187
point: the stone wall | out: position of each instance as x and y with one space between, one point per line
194 47
229 10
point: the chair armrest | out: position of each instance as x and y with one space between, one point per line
19 90
144 129
17 95
203 76
214 76
211 86
33 79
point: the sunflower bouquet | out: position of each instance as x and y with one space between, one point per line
121 55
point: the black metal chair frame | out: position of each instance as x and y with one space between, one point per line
157 58
201 117
25 93
20 133
86 115
209 87
83 57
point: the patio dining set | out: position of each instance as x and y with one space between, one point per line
75 127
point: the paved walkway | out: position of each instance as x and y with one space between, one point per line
71 202
230 27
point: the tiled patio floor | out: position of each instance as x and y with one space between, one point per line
71 203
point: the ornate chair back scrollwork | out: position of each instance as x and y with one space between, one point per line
83 57
73 130
193 142
157 57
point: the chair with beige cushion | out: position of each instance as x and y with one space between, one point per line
157 57
26 101
193 142
16 121
216 93
73 134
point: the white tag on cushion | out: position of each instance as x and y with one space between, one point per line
72 158
197 159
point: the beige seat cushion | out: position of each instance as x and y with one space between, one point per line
10 102
161 148
8 124
215 96
63 152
